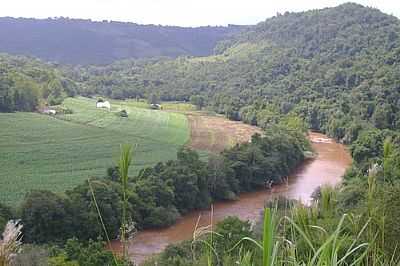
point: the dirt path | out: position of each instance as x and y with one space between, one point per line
215 133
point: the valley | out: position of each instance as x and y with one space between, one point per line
118 139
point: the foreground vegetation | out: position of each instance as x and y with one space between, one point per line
291 234
355 224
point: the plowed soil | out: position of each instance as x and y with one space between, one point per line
216 133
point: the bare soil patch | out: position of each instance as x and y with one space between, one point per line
216 133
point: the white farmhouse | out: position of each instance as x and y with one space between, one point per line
105 104
48 111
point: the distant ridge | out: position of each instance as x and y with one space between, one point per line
79 41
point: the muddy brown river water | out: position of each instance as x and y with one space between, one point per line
327 168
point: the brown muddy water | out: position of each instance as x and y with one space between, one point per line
327 168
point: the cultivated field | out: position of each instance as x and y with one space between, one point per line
166 106
58 152
43 152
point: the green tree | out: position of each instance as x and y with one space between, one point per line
198 101
85 218
46 217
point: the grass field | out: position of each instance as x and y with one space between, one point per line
166 106
56 153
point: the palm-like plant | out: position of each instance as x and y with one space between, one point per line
127 228
123 166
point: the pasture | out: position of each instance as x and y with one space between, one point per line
56 153
166 106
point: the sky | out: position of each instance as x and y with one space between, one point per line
175 12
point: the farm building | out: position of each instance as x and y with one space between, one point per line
105 104
48 111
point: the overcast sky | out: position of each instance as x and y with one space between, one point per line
175 12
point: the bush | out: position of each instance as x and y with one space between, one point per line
64 110
113 173
230 231
123 113
161 217
91 253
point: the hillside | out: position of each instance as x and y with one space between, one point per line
337 68
87 42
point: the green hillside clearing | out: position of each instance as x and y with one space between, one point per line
43 152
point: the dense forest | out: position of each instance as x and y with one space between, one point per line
78 41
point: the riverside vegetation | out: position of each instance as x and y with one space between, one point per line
334 70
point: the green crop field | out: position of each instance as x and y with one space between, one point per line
167 106
56 153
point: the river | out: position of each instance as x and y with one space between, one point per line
327 168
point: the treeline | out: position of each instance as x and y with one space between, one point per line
157 196
26 83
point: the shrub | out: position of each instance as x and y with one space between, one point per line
123 113
161 216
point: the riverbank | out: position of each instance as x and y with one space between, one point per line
327 168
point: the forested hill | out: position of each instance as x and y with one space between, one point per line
338 68
341 31
88 42
27 83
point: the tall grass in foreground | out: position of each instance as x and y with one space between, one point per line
11 242
198 238
300 239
